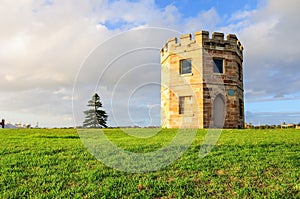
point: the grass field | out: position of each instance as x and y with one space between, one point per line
44 163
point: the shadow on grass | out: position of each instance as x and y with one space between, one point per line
59 137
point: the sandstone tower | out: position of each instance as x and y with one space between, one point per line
202 82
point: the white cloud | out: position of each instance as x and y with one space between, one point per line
207 20
43 44
271 56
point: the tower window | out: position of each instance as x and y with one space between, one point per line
184 103
185 66
218 65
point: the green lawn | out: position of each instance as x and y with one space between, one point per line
42 163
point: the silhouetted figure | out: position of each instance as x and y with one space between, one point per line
2 123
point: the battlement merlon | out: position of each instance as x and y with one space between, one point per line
202 38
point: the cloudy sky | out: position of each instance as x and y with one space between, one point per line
54 51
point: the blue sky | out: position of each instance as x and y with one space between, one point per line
45 43
190 8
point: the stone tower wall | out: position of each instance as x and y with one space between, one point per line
203 85
175 85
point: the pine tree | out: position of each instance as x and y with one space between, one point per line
95 117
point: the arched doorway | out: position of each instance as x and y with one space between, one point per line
219 111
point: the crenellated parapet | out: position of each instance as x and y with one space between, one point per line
202 39
202 81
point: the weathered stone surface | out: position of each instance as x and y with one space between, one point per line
202 85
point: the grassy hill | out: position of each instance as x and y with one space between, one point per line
53 163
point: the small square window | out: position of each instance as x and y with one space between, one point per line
185 66
218 65
181 105
184 104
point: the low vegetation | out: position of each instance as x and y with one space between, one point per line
44 163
